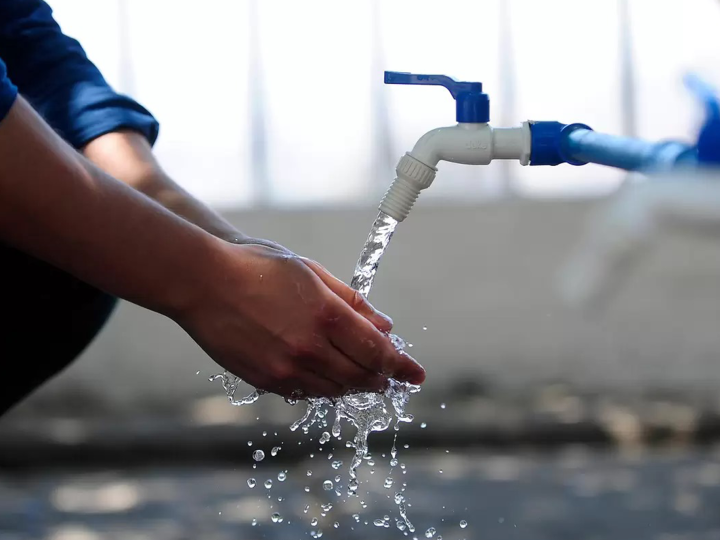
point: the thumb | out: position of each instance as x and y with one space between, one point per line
351 297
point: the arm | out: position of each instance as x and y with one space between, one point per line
127 156
263 314
63 210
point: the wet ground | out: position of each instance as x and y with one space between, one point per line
566 494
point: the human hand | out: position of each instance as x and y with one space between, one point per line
284 324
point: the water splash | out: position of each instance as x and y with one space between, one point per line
366 412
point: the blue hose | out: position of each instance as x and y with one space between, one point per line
577 144
587 146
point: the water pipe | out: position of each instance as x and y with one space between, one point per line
682 199
472 141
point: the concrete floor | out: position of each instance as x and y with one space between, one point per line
570 494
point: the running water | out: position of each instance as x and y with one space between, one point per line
376 244
367 412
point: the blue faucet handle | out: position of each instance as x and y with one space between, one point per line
455 87
472 105
708 144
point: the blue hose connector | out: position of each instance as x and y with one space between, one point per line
546 143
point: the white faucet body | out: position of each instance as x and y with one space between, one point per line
464 143
473 144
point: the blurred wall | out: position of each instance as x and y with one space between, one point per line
480 278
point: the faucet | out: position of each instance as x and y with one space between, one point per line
472 141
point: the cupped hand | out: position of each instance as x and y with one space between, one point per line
284 324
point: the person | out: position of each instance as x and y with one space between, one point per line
87 215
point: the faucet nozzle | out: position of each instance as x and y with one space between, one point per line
412 177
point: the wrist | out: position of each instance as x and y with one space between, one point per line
200 270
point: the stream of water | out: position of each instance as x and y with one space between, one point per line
366 412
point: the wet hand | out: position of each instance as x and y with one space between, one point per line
284 324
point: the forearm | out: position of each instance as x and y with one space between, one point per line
127 156
59 207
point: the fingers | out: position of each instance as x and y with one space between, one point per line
299 382
314 385
351 297
335 365
371 349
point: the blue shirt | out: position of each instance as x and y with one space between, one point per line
53 73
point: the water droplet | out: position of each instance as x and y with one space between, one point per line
430 532
314 522
388 482
501 520
249 443
440 471
463 524
197 372
379 523
337 478
264 433
423 425
309 473
258 455
282 475
276 518
306 509
268 483
356 517
337 464
316 534
442 405
336 525
254 522
307 489
251 482
424 327
326 507
406 446
393 462
325 437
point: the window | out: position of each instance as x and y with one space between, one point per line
258 108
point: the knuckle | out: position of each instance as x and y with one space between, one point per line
282 372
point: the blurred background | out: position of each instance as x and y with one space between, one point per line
535 422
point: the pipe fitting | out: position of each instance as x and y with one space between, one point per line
412 177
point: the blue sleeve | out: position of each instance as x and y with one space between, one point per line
52 71
8 92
